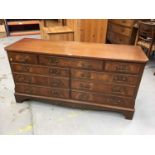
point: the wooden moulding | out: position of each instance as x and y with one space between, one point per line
58 29
29 32
127 112
29 22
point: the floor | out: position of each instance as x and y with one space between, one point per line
32 117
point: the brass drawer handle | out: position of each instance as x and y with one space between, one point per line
85 65
57 83
55 93
122 68
120 78
26 69
54 60
55 71
116 89
27 58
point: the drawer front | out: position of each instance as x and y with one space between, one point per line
105 77
42 91
102 88
101 99
88 64
124 22
71 62
32 90
59 93
120 29
59 82
54 61
57 71
31 79
23 58
29 69
20 78
118 38
123 67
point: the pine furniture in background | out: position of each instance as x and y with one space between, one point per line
84 30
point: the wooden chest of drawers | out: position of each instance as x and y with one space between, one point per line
82 75
121 31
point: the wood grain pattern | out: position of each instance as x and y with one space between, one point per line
27 68
59 82
23 58
126 79
93 30
131 68
42 91
57 71
70 62
76 49
101 87
69 36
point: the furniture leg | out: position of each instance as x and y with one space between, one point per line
128 114
20 99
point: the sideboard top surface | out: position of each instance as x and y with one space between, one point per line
80 49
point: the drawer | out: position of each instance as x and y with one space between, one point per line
57 71
102 99
120 29
32 90
22 58
102 87
116 38
124 22
42 91
104 77
31 79
29 69
123 67
54 61
71 62
59 82
88 64
59 93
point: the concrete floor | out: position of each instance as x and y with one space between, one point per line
33 117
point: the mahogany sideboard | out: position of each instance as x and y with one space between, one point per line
82 75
